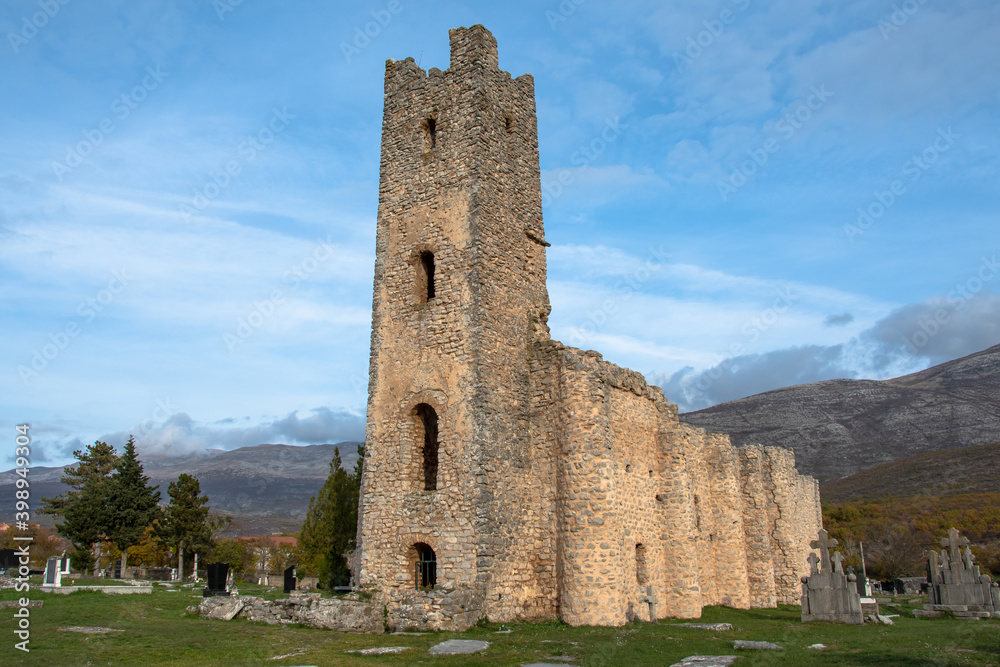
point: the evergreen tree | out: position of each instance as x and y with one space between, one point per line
186 526
134 505
330 528
85 508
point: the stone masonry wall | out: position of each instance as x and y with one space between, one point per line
565 486
632 479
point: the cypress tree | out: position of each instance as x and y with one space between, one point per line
134 505
330 529
185 525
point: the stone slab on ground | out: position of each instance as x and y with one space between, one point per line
379 650
88 630
756 646
946 607
110 590
7 604
459 647
718 627
706 661
546 664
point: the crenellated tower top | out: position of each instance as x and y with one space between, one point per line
473 47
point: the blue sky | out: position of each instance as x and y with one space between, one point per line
740 196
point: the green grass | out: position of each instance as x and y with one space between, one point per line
158 632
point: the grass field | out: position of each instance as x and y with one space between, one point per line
155 630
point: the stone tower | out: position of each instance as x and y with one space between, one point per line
459 299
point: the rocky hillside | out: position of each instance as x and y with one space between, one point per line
840 427
944 473
267 487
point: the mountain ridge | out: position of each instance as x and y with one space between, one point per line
840 427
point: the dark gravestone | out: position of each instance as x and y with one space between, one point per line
118 570
217 574
290 580
8 559
862 585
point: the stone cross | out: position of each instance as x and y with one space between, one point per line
813 563
968 558
837 559
955 544
824 544
652 601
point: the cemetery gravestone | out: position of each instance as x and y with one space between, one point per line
957 585
64 565
53 576
217 575
8 559
289 580
828 593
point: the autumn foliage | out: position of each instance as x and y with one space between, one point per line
897 532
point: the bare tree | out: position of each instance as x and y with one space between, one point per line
892 551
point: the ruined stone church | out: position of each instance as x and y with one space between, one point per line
508 476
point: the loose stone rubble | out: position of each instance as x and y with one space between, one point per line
348 613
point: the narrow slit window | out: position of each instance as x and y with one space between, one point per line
429 421
430 128
426 285
508 124
641 566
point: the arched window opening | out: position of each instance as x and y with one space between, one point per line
425 567
429 421
425 284
641 566
430 133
